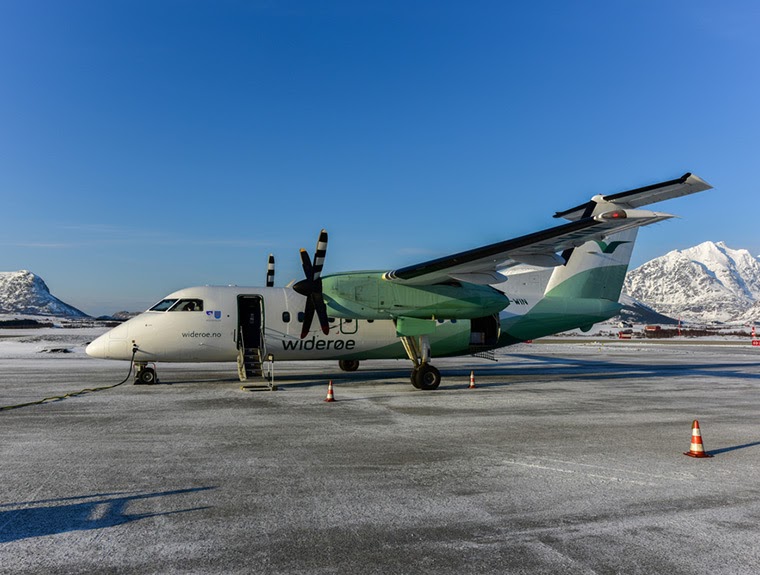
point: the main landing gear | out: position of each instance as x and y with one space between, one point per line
145 374
424 376
348 364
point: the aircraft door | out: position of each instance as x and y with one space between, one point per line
251 321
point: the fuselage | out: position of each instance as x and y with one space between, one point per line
211 331
212 324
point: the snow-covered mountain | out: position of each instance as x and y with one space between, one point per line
709 282
25 293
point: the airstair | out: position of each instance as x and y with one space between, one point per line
248 360
249 363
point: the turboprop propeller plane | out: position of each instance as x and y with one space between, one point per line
470 302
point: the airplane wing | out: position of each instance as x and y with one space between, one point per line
683 186
542 248
480 265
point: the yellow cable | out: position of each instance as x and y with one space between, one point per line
74 393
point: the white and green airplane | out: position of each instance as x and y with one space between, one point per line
553 280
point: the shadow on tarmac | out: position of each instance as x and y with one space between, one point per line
618 370
86 512
567 368
726 449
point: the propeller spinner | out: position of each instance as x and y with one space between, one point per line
311 287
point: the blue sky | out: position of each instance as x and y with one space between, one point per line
150 145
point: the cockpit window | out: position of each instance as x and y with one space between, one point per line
163 305
188 305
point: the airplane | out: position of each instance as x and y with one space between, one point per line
553 280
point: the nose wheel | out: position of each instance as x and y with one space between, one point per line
145 374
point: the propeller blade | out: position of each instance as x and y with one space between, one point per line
319 254
270 271
322 314
306 263
311 287
308 316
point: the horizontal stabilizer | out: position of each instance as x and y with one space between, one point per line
683 186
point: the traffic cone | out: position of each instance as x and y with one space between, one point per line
472 380
330 396
697 449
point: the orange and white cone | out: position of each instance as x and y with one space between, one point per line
330 396
472 380
696 449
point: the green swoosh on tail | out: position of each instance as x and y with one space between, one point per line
611 247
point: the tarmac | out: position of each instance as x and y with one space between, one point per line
565 458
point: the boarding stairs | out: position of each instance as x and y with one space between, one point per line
249 363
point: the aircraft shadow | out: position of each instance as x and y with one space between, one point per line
551 366
52 516
600 369
569 369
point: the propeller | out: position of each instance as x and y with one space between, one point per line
311 287
270 271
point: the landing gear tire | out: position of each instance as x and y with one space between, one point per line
426 377
413 377
348 364
146 376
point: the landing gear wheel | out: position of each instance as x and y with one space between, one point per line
413 377
348 364
427 377
146 376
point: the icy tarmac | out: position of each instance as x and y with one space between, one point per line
566 458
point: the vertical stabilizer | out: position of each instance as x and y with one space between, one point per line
595 270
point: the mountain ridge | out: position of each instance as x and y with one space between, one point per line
25 293
709 282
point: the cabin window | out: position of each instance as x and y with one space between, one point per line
163 305
300 316
188 305
286 317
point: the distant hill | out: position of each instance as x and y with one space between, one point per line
25 293
709 283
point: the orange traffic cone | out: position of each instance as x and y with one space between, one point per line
697 449
472 380
330 396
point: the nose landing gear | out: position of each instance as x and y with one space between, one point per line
145 374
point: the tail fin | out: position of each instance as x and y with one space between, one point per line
597 269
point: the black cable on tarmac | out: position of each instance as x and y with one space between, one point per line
75 393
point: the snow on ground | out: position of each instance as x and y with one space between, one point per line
26 342
566 458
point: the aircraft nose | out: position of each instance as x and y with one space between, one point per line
98 347
111 345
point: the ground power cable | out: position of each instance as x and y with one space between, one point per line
75 393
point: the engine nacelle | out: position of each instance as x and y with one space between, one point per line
369 296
